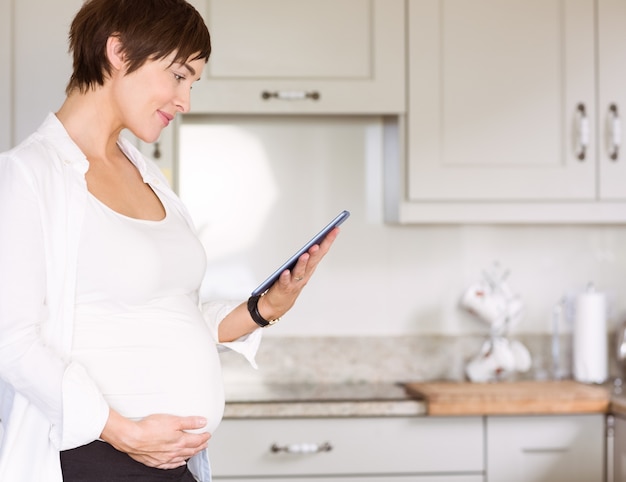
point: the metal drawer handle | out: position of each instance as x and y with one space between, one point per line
545 450
290 95
615 134
583 132
301 448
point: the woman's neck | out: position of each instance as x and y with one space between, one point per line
91 123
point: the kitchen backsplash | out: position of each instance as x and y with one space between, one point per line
387 359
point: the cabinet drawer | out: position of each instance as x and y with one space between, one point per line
353 446
550 448
385 478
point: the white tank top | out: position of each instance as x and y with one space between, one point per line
138 328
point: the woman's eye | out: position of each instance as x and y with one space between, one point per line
178 77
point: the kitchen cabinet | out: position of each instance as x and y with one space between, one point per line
611 98
567 448
619 448
513 113
328 56
400 478
345 449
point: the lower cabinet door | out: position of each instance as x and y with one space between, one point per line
619 449
387 478
441 449
555 448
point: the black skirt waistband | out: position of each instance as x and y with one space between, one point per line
100 462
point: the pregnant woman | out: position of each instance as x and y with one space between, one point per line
108 359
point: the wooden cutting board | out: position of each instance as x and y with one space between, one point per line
508 398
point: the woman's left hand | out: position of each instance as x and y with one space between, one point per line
280 297
283 294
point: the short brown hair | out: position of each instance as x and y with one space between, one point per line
147 29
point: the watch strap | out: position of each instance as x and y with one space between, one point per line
253 309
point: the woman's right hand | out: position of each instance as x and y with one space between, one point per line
160 441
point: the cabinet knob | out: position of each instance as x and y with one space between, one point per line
301 448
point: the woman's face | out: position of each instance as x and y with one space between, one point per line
148 99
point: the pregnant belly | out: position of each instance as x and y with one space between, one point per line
160 359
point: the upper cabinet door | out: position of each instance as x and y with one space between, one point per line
326 56
611 98
501 100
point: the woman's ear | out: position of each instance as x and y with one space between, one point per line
115 52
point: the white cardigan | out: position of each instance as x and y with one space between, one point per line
48 402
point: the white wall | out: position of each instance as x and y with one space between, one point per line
41 65
379 279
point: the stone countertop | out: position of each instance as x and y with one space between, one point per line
302 400
276 400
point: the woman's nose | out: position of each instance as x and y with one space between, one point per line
183 101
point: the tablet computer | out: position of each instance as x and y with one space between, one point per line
291 262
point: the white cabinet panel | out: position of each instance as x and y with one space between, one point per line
330 56
275 39
503 97
357 446
387 478
611 98
495 87
619 449
545 448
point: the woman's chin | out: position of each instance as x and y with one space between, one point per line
148 138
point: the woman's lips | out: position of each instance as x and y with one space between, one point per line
165 117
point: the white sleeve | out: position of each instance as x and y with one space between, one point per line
214 312
30 365
85 411
26 363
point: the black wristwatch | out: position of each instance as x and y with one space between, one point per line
253 308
